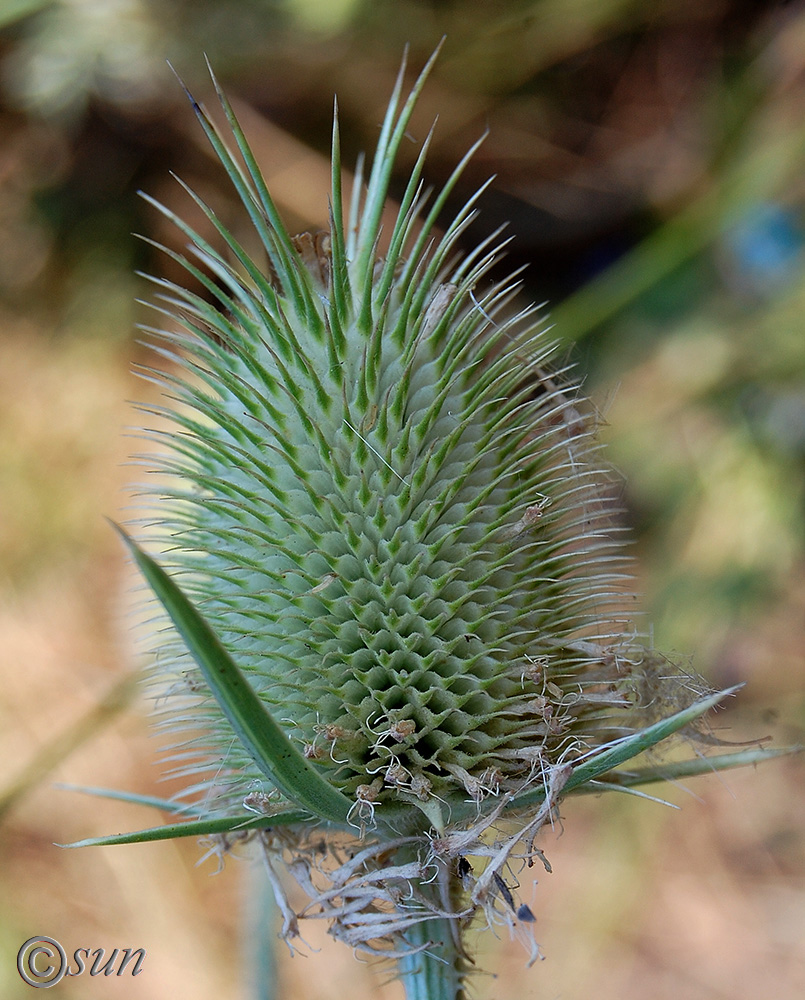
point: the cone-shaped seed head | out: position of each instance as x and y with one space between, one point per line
388 507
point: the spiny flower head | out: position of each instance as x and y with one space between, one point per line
392 565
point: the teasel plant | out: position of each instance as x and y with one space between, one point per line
389 577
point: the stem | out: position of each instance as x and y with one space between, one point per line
437 972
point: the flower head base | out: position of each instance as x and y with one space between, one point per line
401 587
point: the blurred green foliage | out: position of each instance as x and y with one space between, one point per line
649 161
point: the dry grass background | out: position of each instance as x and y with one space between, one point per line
701 903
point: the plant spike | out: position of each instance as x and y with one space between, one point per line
390 566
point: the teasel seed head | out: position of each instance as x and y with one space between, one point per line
392 561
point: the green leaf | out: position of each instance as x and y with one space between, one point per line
624 750
262 738
193 828
166 805
694 767
609 757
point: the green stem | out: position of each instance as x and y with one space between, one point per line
437 972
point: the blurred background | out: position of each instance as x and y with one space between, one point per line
650 163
